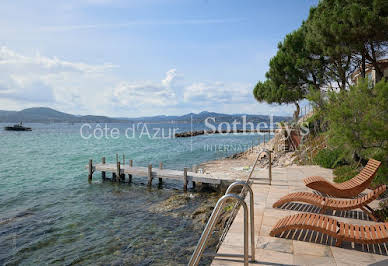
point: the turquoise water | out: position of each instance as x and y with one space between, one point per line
50 214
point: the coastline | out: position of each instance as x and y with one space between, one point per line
237 166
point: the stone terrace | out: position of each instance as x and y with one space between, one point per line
299 248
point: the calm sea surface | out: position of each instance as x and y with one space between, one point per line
49 214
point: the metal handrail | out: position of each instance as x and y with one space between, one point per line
268 152
251 212
243 193
195 258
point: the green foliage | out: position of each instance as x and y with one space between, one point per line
358 121
328 158
292 72
382 213
349 34
344 173
338 38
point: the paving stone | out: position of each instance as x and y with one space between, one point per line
380 259
278 213
234 239
270 257
229 250
275 244
307 248
264 230
270 220
344 256
280 251
313 260
227 261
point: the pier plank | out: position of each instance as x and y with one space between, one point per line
159 173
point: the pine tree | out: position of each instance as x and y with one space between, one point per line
293 72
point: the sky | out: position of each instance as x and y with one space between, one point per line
131 58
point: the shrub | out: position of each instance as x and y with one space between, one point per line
344 173
381 176
382 213
328 158
358 121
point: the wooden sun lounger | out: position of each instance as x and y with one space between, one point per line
365 234
334 204
347 189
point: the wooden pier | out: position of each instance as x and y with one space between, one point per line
120 170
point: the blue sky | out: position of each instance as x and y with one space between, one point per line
147 57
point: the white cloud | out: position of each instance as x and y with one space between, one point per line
217 92
14 60
172 78
47 81
81 88
143 94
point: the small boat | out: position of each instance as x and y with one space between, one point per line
17 127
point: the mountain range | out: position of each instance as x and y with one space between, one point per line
49 115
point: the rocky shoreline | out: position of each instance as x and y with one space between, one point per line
204 132
239 164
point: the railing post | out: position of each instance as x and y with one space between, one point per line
270 167
103 174
160 167
118 175
185 179
149 175
90 177
269 154
195 258
251 212
129 175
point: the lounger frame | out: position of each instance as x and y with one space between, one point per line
347 189
326 203
363 234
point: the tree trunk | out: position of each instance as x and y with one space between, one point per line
363 66
297 111
373 59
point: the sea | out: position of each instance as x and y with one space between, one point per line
51 215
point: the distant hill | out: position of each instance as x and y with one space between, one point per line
48 115
200 117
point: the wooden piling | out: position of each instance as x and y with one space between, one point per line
129 175
149 175
270 167
103 174
90 177
160 167
118 175
185 179
122 175
117 171
195 170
